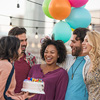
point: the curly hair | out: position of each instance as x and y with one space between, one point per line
17 31
59 46
81 33
9 46
94 39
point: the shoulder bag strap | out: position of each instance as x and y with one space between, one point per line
8 83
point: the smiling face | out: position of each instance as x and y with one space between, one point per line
86 46
23 41
51 55
76 46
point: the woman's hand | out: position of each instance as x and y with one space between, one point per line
29 95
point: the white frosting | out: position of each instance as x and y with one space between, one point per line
33 87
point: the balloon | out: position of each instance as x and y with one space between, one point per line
77 3
83 6
45 8
62 31
59 9
72 29
79 17
74 7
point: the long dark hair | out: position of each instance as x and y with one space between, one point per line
9 46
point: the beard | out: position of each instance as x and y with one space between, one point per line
23 51
77 51
23 48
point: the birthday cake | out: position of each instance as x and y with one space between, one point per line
33 85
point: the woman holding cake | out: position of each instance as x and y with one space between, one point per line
9 51
55 78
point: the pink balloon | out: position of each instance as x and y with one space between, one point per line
77 3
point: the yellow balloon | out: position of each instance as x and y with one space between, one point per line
72 29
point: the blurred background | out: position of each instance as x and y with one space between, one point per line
29 14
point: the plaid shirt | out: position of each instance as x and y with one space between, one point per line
30 59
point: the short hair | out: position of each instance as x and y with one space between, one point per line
81 33
59 46
9 46
17 31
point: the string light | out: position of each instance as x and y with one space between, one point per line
90 27
10 22
18 5
11 17
36 34
32 45
34 2
27 19
54 22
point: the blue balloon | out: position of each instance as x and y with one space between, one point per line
78 7
62 31
79 17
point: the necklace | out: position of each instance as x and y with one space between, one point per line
75 69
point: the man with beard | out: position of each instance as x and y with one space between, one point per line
26 60
77 66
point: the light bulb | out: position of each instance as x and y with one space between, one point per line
36 35
90 27
18 6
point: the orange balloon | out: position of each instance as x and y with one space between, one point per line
59 9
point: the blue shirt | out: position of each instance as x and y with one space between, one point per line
76 89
